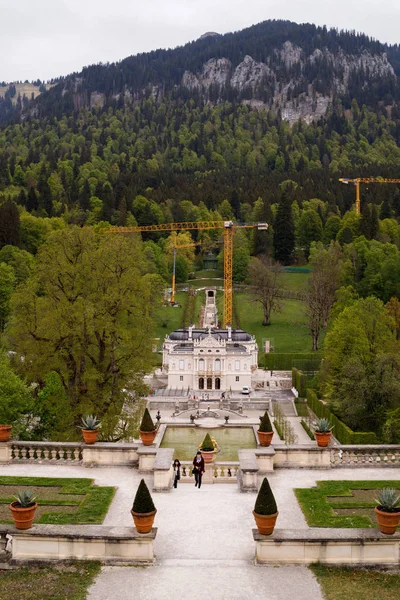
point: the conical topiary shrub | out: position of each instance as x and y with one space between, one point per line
143 502
207 445
265 510
143 509
147 429
265 424
265 431
147 424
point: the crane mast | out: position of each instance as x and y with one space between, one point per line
228 228
359 180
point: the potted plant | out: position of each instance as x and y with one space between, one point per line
265 510
143 510
90 429
147 429
388 510
322 432
207 449
23 509
265 432
5 432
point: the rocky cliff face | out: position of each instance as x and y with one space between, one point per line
286 80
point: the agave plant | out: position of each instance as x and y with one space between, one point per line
388 500
90 422
322 426
25 498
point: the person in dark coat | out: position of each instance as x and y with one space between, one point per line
198 468
177 472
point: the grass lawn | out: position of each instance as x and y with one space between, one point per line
295 282
169 318
341 503
288 329
340 583
64 581
60 501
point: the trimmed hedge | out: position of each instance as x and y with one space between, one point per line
299 381
342 432
283 361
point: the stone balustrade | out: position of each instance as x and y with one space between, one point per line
365 456
51 543
328 546
218 472
60 452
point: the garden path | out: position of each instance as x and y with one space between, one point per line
204 544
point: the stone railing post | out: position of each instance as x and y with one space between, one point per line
248 471
5 452
163 471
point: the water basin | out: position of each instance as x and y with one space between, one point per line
186 440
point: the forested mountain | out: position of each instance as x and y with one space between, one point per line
211 121
298 69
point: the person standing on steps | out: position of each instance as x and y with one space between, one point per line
177 472
198 468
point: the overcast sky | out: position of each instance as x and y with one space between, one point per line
47 38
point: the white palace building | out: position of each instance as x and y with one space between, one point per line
209 359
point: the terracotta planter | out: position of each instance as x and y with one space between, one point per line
143 521
207 455
5 432
147 437
265 437
387 521
265 523
90 435
323 438
23 516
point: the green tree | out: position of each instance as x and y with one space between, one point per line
7 283
87 315
361 368
331 229
9 224
15 397
284 235
309 229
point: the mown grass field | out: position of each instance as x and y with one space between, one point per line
340 583
59 582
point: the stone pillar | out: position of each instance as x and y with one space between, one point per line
5 452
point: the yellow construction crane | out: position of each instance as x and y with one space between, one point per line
359 180
228 228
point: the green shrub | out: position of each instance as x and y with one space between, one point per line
307 430
265 424
25 498
147 424
143 502
265 502
207 445
279 430
343 433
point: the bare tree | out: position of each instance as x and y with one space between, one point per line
266 289
324 282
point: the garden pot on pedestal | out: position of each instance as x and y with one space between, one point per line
147 437
323 438
207 455
90 435
387 521
23 516
5 432
265 437
265 523
143 521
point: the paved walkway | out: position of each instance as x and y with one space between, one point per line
204 543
